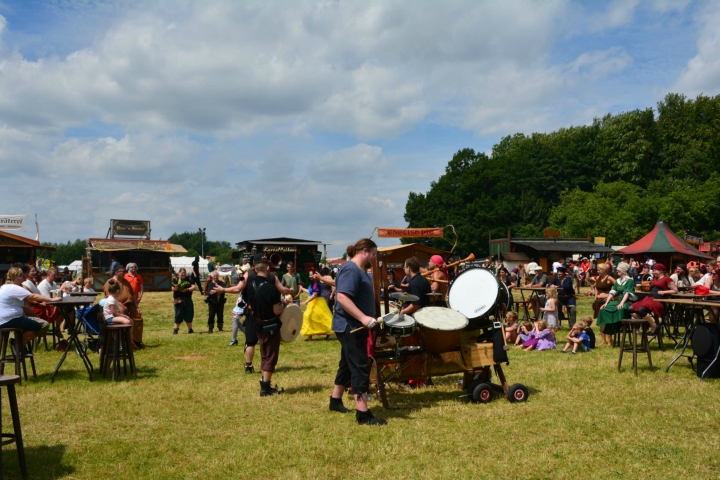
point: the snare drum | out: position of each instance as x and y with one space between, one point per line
475 292
398 324
440 329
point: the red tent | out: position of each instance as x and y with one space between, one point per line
662 240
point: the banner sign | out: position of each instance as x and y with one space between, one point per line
693 238
14 223
273 249
130 228
410 232
599 240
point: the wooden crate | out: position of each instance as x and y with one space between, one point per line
477 355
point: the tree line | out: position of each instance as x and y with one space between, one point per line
614 178
66 253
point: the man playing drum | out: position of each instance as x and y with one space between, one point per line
418 286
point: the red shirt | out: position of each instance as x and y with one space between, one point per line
135 282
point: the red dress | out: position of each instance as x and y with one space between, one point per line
654 306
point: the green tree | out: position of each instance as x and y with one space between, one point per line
66 253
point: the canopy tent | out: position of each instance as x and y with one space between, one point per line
662 239
186 263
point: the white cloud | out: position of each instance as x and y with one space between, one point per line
702 74
600 63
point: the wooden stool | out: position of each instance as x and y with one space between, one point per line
631 327
9 381
18 356
117 348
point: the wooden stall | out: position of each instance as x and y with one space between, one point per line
304 253
14 248
394 256
151 256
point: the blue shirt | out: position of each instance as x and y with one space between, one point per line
585 341
355 283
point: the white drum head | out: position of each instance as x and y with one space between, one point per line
292 320
398 320
474 292
438 318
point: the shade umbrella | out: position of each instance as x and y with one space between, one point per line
662 239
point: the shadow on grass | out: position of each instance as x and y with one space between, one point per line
287 368
42 462
315 388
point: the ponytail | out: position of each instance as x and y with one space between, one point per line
361 244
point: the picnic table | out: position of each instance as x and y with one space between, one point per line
67 307
697 307
534 293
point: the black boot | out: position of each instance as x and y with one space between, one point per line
249 368
336 405
266 389
367 418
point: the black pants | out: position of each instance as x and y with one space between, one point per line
215 309
196 279
354 368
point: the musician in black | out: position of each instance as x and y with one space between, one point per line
243 285
418 286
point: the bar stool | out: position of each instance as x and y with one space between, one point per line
18 355
9 381
117 348
631 327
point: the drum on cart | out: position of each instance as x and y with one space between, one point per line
440 329
398 324
475 293
292 320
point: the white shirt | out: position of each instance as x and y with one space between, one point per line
555 266
45 287
12 300
30 285
107 311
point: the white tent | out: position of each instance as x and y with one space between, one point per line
76 265
186 262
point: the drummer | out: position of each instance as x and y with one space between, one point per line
418 286
439 281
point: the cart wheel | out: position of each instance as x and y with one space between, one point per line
482 393
517 393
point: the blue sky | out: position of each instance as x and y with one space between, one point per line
307 119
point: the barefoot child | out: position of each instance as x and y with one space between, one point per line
541 338
511 327
551 309
525 329
111 312
587 322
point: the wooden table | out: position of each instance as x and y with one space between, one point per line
84 294
687 303
67 307
534 293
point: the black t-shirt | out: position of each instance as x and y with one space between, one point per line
266 296
395 284
639 278
591 335
179 294
218 296
420 287
249 290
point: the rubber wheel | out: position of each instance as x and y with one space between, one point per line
482 393
517 393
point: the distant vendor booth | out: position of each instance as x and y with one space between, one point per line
394 257
14 248
151 256
304 253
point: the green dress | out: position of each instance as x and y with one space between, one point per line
609 318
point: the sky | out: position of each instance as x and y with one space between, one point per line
312 120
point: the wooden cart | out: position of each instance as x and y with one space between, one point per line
472 359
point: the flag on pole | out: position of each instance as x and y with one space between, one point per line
37 229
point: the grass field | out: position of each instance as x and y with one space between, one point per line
193 413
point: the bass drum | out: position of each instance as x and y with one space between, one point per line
475 292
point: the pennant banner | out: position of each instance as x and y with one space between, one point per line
410 232
15 223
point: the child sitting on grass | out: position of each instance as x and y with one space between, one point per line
587 328
111 312
577 338
511 327
541 338
550 311
524 334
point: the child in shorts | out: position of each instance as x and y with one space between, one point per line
587 322
511 327
111 311
577 338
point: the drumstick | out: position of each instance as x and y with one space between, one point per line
358 329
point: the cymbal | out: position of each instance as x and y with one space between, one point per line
404 297
434 294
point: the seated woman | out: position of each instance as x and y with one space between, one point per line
15 304
617 304
647 306
682 277
603 284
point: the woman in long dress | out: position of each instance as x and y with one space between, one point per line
317 319
617 304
